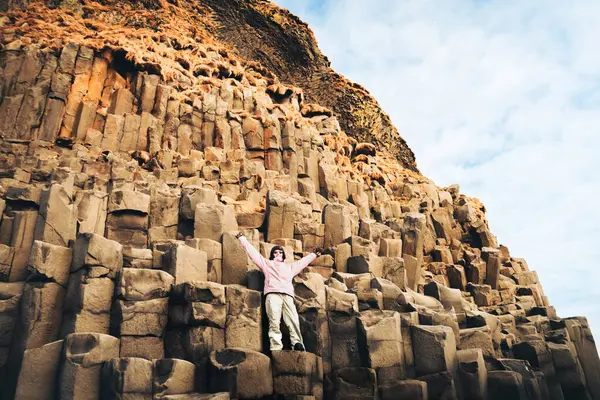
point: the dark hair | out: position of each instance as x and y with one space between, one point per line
272 255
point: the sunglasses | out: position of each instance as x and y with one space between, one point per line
278 252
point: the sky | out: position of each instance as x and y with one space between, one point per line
500 97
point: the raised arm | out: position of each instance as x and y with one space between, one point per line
255 256
299 265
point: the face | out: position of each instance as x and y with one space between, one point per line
278 255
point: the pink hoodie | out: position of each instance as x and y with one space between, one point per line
278 275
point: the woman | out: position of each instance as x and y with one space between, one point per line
279 291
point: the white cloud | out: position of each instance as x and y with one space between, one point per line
502 98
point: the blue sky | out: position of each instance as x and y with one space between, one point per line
501 97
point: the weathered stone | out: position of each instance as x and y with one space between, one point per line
368 263
315 333
244 319
56 223
506 385
493 265
526 278
137 258
186 264
472 374
9 109
128 136
140 318
92 208
112 131
430 317
86 291
343 251
538 355
128 237
158 234
149 85
7 255
41 313
451 299
51 120
533 381
485 237
390 248
297 373
393 271
21 240
50 262
234 370
407 319
250 220
191 196
139 284
434 348
412 267
148 125
337 225
568 369
389 292
92 250
354 384
97 79
39 368
380 340
309 289
164 208
236 262
121 102
195 343
281 212
440 386
360 246
405 389
212 220
85 118
482 294
457 277
332 182
127 376
344 344
369 298
443 224
477 338
341 302
199 303
173 376
10 298
84 355
26 194
85 321
214 254
82 74
129 200
147 347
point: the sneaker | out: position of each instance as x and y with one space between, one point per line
299 347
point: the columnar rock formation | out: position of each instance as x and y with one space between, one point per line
136 142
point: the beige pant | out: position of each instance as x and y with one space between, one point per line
276 305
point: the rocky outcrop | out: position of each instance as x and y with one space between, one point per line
135 144
287 47
277 42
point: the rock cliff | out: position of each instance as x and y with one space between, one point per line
139 137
